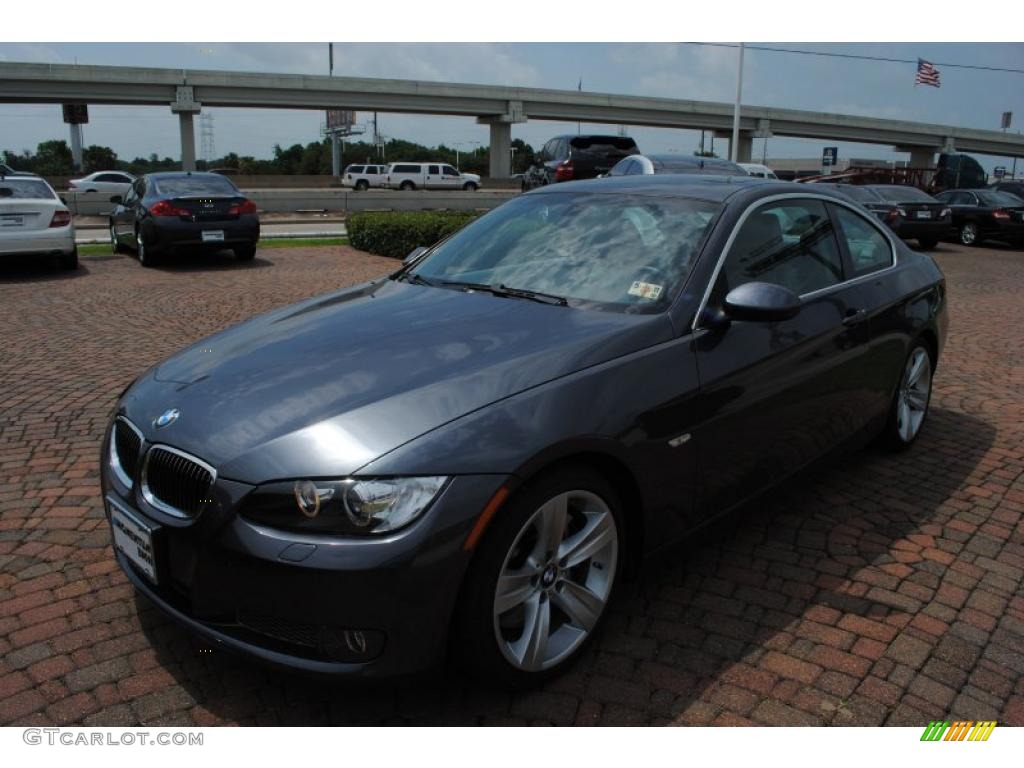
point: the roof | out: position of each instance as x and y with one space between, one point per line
183 175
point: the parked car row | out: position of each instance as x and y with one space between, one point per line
965 215
408 176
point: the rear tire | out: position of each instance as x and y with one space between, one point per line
68 261
927 242
407 186
968 233
362 185
145 255
245 253
553 550
910 402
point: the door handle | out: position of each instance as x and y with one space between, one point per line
855 316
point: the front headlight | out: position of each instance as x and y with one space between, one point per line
352 506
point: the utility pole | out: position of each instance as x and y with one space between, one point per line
335 138
734 145
207 148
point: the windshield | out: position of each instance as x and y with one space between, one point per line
628 253
900 194
193 186
25 189
998 198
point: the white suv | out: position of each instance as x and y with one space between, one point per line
409 176
362 177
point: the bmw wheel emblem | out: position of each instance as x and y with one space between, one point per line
166 418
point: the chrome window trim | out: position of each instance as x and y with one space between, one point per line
144 485
760 203
115 460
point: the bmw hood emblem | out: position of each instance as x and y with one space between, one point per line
166 418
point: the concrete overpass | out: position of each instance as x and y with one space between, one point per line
187 91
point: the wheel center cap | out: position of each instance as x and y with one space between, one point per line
548 577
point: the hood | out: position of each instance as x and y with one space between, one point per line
323 387
471 176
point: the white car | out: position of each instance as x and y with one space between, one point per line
34 221
409 176
362 177
104 182
758 170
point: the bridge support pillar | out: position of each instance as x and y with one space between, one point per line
501 138
922 157
185 107
745 146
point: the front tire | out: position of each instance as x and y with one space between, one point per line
911 400
968 233
470 186
541 579
115 241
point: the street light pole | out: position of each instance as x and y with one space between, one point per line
734 146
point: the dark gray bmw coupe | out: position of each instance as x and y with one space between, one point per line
464 457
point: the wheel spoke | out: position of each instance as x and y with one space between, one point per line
532 645
598 532
916 369
581 605
918 401
553 518
906 428
514 588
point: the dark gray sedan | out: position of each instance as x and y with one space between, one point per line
463 459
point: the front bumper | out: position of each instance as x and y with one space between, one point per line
173 234
346 607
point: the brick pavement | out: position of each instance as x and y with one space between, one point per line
871 590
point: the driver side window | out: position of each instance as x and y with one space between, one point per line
790 243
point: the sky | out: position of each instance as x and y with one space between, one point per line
967 98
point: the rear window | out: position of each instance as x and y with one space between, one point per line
904 195
25 189
859 194
603 143
998 198
191 186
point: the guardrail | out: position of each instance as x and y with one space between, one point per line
331 200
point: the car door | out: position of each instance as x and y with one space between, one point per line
450 178
776 395
125 214
433 177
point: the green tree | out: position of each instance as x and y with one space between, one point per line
53 158
97 158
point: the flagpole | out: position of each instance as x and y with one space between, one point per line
734 146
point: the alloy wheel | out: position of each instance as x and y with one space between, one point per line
968 233
140 247
913 396
114 246
555 580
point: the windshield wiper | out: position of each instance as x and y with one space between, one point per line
413 277
516 293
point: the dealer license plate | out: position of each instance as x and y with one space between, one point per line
11 221
133 539
213 236
924 214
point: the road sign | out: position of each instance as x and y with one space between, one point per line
829 156
1007 117
76 114
999 171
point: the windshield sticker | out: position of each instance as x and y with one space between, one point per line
645 290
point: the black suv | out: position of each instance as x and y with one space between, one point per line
577 156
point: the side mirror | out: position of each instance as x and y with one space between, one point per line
414 254
117 199
761 302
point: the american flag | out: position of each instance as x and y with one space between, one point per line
927 74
